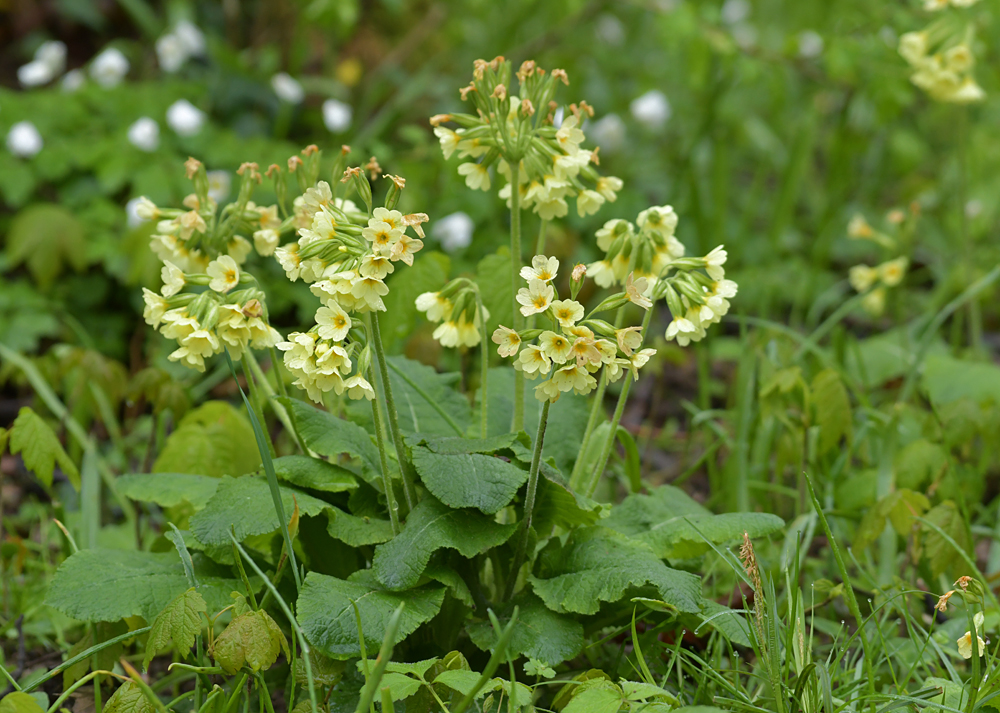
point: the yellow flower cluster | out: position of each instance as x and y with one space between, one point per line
459 310
520 130
201 251
945 73
696 299
345 256
574 349
646 248
889 274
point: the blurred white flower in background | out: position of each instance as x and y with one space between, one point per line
219 184
48 63
24 140
170 52
735 11
454 231
337 115
191 37
73 80
132 213
144 134
109 67
652 109
745 35
287 88
185 118
608 132
810 44
610 30
176 47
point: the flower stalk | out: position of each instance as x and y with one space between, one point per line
515 278
609 443
529 502
390 496
390 406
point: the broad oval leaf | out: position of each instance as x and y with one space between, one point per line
214 439
469 480
357 531
18 702
539 634
168 489
244 505
432 526
314 474
600 565
426 403
326 612
331 436
129 698
109 585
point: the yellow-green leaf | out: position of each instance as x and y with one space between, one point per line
40 448
176 626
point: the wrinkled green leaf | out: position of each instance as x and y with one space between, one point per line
419 412
109 585
676 527
245 506
176 626
129 698
471 480
539 633
168 489
331 436
253 640
600 565
357 531
326 613
314 474
431 526
936 550
40 448
18 702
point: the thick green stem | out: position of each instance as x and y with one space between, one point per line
529 503
390 407
515 279
484 358
390 496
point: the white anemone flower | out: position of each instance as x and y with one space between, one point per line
109 67
23 139
337 115
185 118
144 134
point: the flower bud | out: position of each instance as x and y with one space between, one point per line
357 178
577 277
395 189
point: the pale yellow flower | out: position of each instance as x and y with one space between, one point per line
965 642
225 274
436 306
533 361
154 309
359 388
508 341
567 312
542 268
635 291
334 323
555 346
535 298
173 279
862 277
476 176
629 339
369 290
891 273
